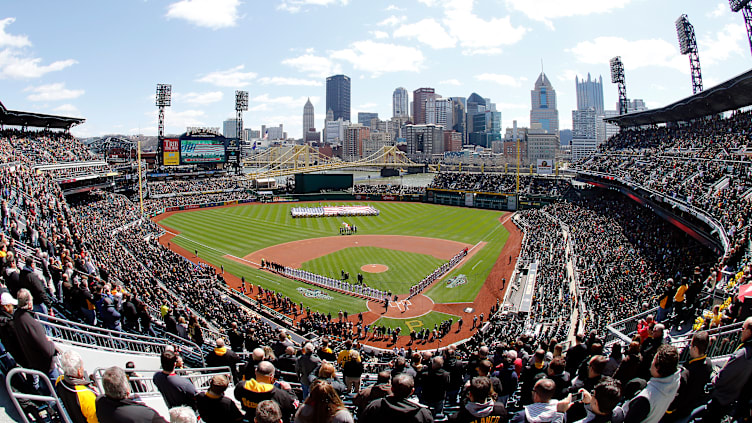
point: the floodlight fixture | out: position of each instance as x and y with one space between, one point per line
164 99
617 70
737 5
164 95
686 34
241 105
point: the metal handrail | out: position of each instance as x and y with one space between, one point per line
144 378
15 396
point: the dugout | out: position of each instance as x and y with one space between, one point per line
306 183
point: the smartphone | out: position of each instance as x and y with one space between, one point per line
578 396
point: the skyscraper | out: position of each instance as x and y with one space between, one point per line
308 118
364 118
543 110
230 128
589 94
338 96
420 96
400 103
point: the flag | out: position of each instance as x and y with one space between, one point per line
266 134
254 146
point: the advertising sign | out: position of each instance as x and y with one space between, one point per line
171 151
211 150
545 167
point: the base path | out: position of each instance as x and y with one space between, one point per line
293 254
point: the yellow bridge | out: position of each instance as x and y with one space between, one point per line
283 161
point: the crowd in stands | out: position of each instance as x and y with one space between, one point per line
44 147
78 172
191 186
99 261
500 183
388 189
154 206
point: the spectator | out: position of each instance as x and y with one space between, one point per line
39 350
268 412
543 408
352 370
694 377
75 391
651 403
306 364
327 373
261 388
182 415
435 382
176 390
560 377
598 406
282 343
397 407
213 406
8 334
115 407
323 406
382 388
223 357
481 407
286 362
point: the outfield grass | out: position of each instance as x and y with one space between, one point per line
403 267
241 230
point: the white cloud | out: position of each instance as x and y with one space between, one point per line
199 98
15 65
501 79
635 54
259 108
392 21
315 66
719 10
394 8
379 35
280 80
486 51
233 77
67 109
428 32
453 82
731 39
214 14
10 40
379 58
476 34
52 92
547 10
295 6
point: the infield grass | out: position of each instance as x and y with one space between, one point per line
241 230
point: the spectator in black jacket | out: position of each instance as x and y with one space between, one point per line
435 381
694 376
176 390
115 407
236 338
33 282
32 337
8 336
397 408
576 354
214 407
251 392
221 356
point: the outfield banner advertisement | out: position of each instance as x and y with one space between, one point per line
545 167
171 151
197 150
469 199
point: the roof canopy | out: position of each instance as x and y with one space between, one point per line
37 120
730 95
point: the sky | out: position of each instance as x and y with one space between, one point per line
101 60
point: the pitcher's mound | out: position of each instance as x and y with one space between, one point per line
374 268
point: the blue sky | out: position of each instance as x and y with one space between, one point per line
102 59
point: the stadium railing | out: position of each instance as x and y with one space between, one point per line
81 335
624 330
45 400
142 380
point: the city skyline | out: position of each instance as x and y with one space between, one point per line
53 59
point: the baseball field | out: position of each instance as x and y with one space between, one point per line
392 251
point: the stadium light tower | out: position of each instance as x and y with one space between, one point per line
617 77
746 7
241 105
688 46
164 99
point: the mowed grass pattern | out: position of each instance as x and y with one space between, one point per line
241 230
417 323
404 268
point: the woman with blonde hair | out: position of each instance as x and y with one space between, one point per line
323 405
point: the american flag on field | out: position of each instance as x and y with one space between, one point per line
345 210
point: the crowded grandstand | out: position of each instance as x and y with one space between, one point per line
630 300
